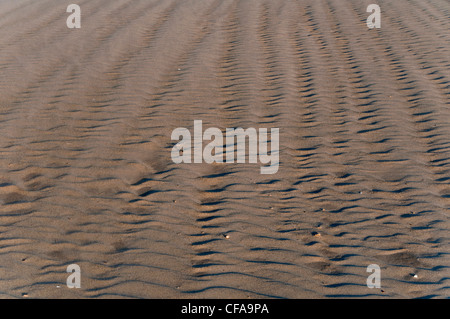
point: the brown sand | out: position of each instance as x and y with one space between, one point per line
86 175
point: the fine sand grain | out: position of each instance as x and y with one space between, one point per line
86 176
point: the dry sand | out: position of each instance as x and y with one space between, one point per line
86 175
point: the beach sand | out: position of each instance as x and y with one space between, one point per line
86 175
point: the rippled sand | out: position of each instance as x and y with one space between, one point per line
86 175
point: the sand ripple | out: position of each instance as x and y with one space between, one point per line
85 169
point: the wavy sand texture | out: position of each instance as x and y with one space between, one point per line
86 175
